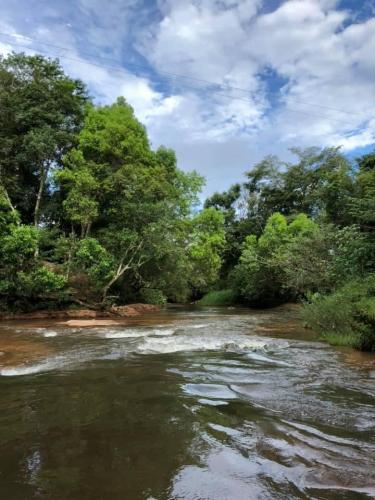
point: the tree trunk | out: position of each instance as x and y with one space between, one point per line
8 199
120 271
5 191
43 176
70 254
88 229
85 229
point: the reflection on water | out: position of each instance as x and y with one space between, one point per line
195 404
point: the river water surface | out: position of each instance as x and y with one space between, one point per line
184 404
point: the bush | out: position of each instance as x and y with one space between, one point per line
93 259
262 271
152 296
40 282
219 298
296 257
345 317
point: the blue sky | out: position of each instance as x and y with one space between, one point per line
223 82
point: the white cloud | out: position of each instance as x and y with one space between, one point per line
327 64
328 74
199 39
323 54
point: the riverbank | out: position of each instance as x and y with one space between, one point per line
127 311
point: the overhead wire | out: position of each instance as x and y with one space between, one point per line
225 87
172 77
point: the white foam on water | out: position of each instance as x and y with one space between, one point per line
212 402
68 359
163 332
138 333
127 334
180 343
50 334
31 369
46 332
265 359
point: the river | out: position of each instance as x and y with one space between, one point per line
184 404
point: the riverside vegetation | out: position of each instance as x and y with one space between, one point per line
91 214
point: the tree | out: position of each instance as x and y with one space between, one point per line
41 111
231 204
133 202
363 200
262 271
207 240
320 183
23 278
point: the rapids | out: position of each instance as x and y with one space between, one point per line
184 404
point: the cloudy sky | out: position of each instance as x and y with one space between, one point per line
223 82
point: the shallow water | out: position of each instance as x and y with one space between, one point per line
184 404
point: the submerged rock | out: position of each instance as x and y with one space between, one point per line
77 323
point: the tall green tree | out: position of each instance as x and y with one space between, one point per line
126 196
363 200
41 110
232 205
207 242
319 183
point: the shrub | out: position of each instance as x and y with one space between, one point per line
40 282
152 296
262 271
219 298
345 317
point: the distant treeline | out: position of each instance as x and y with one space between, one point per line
305 231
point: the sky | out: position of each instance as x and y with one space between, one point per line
222 82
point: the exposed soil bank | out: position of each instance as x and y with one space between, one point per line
127 311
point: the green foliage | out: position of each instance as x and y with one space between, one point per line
132 200
320 182
226 297
207 243
262 271
18 247
322 259
152 296
92 257
86 202
42 111
290 261
8 216
347 316
236 228
40 281
22 276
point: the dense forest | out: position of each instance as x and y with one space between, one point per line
91 214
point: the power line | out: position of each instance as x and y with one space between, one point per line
225 87
168 76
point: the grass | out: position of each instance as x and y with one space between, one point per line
350 339
225 297
345 317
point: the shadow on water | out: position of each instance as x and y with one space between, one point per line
195 404
95 433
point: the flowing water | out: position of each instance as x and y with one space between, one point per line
184 404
